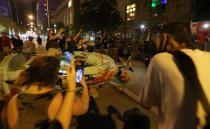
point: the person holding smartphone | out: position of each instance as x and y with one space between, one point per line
40 103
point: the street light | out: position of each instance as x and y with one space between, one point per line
142 26
30 17
206 25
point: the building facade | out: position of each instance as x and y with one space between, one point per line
42 10
67 11
20 9
4 8
154 12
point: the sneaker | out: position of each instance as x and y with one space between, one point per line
131 69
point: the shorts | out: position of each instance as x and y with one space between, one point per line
54 52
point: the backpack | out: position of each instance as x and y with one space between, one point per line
195 92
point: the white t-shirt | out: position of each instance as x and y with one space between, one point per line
164 86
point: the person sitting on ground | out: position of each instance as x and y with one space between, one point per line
40 103
169 89
125 57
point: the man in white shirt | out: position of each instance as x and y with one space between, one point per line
29 48
164 85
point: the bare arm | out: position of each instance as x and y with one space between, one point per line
77 35
65 113
57 35
81 105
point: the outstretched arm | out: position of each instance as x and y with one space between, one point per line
77 35
57 35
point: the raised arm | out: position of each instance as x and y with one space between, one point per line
57 35
77 35
64 115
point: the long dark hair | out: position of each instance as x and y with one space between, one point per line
180 32
43 71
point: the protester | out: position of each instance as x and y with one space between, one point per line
62 42
6 44
125 57
40 103
29 48
79 46
14 42
207 44
1 50
105 44
39 41
91 46
80 43
53 45
166 88
19 44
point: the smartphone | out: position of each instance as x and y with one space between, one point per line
79 75
65 61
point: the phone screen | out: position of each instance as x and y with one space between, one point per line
79 75
65 61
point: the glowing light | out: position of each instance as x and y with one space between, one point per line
142 26
206 26
70 3
91 38
30 17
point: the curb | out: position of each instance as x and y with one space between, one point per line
125 90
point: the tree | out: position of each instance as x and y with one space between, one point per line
98 15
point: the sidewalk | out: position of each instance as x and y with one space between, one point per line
132 88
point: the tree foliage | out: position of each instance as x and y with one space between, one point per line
98 15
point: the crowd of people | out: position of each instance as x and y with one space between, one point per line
176 81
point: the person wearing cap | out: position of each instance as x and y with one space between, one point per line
29 48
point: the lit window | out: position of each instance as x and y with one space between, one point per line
133 5
131 10
70 3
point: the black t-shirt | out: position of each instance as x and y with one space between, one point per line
39 40
71 46
19 42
